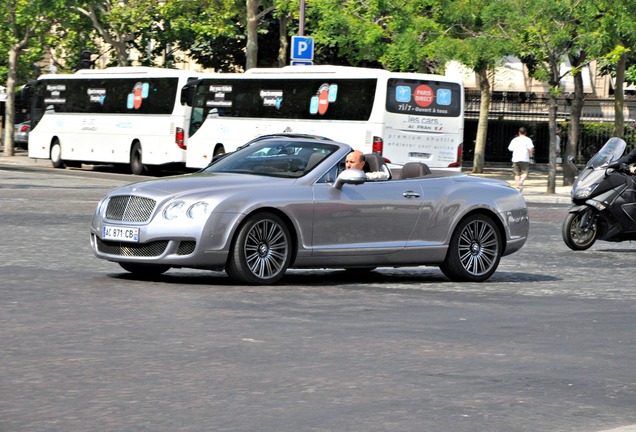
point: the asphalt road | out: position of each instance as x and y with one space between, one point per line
547 344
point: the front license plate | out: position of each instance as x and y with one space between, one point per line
124 234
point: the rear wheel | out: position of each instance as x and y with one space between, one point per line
219 150
144 269
474 251
56 154
136 165
261 251
576 237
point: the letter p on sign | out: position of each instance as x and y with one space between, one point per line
302 48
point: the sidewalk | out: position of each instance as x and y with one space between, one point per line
534 189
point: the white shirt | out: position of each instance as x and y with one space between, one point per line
377 175
520 148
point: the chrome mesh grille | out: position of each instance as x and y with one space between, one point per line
186 247
130 208
151 249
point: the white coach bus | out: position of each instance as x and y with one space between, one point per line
403 116
121 115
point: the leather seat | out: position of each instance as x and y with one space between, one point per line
414 170
314 159
375 163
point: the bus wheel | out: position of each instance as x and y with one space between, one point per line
219 150
56 154
136 167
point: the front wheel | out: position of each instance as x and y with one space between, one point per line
575 236
474 251
56 155
261 251
136 164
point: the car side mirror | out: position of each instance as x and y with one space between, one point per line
350 176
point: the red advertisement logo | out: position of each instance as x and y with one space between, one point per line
423 95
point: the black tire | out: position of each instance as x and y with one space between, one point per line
144 269
575 237
136 165
474 251
56 154
219 150
261 251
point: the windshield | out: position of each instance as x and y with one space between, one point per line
275 158
611 151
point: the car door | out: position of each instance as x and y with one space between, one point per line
368 219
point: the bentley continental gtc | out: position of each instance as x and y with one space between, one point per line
287 201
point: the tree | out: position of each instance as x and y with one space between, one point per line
122 24
350 33
25 27
473 38
215 40
545 32
615 31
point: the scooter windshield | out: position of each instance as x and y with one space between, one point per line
611 151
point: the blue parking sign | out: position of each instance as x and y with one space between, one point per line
302 48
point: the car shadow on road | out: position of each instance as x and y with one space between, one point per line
406 278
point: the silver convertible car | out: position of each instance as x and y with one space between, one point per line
286 201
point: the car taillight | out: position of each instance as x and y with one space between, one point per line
24 128
179 138
378 145
458 162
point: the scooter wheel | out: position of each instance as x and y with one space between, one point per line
575 237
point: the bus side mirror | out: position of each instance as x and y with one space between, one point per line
187 94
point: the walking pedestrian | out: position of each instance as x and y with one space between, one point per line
522 151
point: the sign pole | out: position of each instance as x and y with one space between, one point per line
301 23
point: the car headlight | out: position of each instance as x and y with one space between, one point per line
198 210
173 210
177 209
100 210
585 192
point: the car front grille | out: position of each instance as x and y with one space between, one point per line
130 208
152 249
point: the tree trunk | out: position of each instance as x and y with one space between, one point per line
552 127
576 110
251 51
482 125
283 41
9 113
619 97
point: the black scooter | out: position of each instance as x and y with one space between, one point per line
604 198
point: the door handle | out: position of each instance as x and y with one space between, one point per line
411 194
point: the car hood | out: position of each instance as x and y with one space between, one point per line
199 183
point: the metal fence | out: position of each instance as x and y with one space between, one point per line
509 111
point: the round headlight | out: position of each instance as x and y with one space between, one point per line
173 210
198 209
101 207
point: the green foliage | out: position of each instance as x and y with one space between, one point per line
595 135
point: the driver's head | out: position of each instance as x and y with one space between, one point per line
355 159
